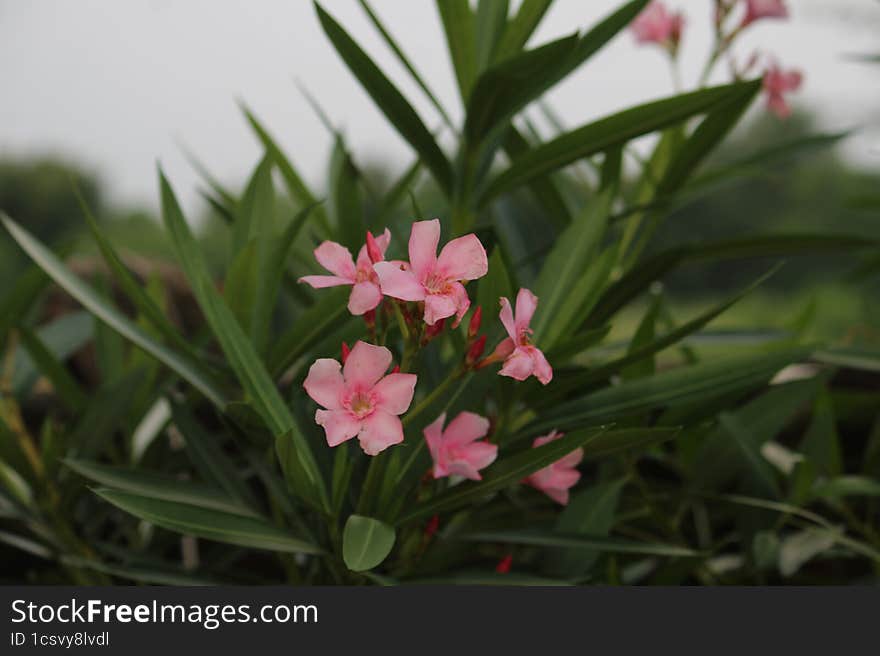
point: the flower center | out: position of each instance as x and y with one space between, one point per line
365 274
360 405
437 284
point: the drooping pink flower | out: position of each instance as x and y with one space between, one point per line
555 480
365 293
522 358
458 450
435 280
656 24
758 9
777 83
360 400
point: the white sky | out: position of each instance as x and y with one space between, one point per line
116 84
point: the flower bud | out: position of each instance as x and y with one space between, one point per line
396 369
370 319
373 249
432 526
433 331
475 352
476 320
503 566
345 352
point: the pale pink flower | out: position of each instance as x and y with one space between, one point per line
360 400
458 451
656 24
522 358
555 480
365 293
435 280
758 9
777 83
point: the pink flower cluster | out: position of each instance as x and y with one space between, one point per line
359 398
656 24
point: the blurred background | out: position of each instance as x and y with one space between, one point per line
101 90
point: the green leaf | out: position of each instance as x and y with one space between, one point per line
256 213
758 468
492 287
208 523
507 471
821 443
522 26
51 366
104 311
505 89
157 486
614 443
366 542
609 132
558 286
581 541
481 578
345 202
458 25
21 295
491 20
238 349
847 486
386 96
859 358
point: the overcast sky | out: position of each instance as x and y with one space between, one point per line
117 85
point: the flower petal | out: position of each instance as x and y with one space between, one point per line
439 306
464 469
543 370
433 433
365 296
526 302
363 259
365 365
394 393
336 259
338 425
320 282
325 383
463 259
423 242
465 428
519 365
462 302
380 430
398 283
506 316
482 454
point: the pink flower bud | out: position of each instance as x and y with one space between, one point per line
503 566
345 352
432 526
396 369
434 330
476 320
475 352
373 249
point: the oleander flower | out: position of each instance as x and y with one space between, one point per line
359 399
758 9
557 479
777 83
458 450
365 293
435 280
656 24
522 358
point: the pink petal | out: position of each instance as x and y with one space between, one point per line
423 242
433 433
338 425
365 365
439 306
481 454
573 459
464 469
526 302
519 366
565 478
380 430
463 259
558 495
506 316
365 296
465 428
544 439
394 393
462 301
325 383
336 259
543 370
320 282
398 283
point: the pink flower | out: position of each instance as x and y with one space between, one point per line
555 480
435 280
522 359
656 24
365 293
777 83
360 399
456 450
758 9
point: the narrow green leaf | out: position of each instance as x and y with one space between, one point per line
821 443
208 523
522 26
366 542
458 25
102 309
581 541
396 108
491 20
67 389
